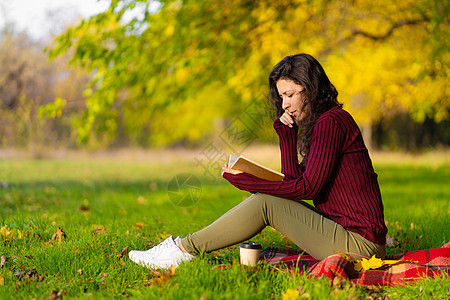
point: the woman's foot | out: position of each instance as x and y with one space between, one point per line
163 256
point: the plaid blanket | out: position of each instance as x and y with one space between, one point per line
427 263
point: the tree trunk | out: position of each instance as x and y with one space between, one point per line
366 130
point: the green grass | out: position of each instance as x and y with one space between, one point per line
129 199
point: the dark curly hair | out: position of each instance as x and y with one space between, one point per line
320 93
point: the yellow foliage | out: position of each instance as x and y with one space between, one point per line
191 118
182 75
170 29
180 69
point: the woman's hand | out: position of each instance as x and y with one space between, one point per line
226 169
287 119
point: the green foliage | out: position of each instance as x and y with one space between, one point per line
52 109
29 85
160 65
105 205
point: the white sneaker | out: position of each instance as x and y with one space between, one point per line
163 256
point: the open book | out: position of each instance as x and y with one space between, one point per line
248 166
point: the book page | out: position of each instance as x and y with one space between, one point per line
248 166
232 160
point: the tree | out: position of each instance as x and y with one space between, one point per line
28 81
173 70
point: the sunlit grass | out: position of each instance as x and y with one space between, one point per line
105 205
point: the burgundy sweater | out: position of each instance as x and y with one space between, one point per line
338 175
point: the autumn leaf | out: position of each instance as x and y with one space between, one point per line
2 260
164 235
2 280
99 229
10 234
139 226
56 294
290 294
337 282
124 252
160 277
85 206
367 264
28 274
141 200
346 256
373 263
59 234
4 231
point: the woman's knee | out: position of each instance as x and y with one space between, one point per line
261 200
265 204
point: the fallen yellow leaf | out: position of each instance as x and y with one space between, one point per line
161 277
346 256
10 234
2 260
365 264
290 294
4 231
2 280
139 226
59 234
372 263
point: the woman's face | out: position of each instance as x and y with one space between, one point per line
293 96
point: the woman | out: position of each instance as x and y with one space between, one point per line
336 173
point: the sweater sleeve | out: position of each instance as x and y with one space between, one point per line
326 146
288 147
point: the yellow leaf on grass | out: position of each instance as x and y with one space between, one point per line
58 235
2 280
19 234
161 277
99 229
164 235
4 231
10 234
139 226
290 294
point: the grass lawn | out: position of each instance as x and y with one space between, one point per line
104 205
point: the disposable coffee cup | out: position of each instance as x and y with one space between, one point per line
249 252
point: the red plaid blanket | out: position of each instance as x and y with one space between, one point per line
430 263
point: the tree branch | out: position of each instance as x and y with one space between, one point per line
388 33
375 37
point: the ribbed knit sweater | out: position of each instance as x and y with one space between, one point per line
338 175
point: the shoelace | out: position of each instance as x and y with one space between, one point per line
167 243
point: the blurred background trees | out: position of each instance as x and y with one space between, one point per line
176 72
28 81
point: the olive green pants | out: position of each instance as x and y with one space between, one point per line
304 225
